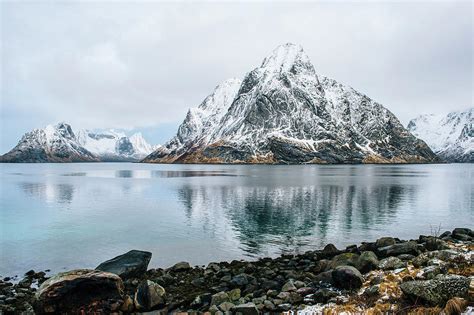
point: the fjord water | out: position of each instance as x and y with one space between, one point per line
64 216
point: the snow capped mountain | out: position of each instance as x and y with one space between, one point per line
450 136
52 144
111 145
283 112
60 144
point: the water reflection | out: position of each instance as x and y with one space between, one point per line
150 173
49 192
290 217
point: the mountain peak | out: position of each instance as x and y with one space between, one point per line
288 58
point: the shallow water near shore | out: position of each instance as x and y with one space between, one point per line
65 216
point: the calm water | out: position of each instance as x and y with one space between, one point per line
63 216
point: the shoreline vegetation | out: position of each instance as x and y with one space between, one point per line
429 275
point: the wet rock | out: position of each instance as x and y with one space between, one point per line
367 261
201 300
420 260
445 254
385 241
284 307
131 264
347 277
463 231
245 309
406 257
304 291
270 285
430 272
324 295
25 282
239 280
346 259
226 306
148 295
368 246
398 249
437 291
220 298
324 277
391 263
352 249
30 273
269 305
199 282
289 286
321 265
78 289
372 290
330 250
181 266
445 234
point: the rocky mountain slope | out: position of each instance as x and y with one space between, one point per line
283 112
59 143
450 136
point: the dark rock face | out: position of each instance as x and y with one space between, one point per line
124 147
131 264
347 277
439 290
284 112
89 290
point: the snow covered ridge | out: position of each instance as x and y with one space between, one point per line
283 112
450 136
59 143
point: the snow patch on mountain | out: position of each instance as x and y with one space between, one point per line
450 136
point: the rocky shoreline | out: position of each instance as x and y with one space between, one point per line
429 275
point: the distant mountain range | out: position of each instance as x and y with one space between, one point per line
451 137
59 143
283 112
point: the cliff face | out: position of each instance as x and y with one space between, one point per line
283 112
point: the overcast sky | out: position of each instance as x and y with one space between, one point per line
142 65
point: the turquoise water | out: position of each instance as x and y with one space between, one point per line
64 216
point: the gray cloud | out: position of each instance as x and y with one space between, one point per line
143 64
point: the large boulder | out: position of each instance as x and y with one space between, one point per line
385 241
398 249
181 266
463 231
129 265
367 261
437 291
347 277
148 295
346 259
79 290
